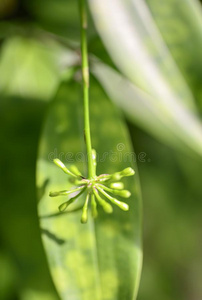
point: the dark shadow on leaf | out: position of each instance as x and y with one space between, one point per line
41 190
52 236
59 214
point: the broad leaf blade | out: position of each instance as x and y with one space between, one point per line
102 259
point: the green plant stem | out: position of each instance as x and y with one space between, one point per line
85 73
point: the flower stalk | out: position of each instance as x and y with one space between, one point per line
85 75
97 188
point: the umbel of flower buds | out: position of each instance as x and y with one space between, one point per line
99 190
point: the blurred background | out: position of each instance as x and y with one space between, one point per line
153 49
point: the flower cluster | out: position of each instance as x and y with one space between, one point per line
95 189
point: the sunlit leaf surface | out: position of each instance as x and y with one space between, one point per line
35 67
102 259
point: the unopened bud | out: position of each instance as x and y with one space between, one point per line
122 205
63 167
107 208
75 170
123 193
59 164
117 185
63 206
84 217
116 176
54 194
127 172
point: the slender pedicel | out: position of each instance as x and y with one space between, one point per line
63 167
104 178
79 182
94 206
94 162
66 192
84 216
64 205
122 193
75 171
106 206
124 206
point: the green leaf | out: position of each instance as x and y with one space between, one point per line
130 35
139 107
102 259
133 40
180 24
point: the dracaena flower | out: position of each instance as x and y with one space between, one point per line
99 190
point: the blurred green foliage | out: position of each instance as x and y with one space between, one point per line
20 55
171 187
39 41
22 252
180 26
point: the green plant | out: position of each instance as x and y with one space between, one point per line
77 253
145 88
93 184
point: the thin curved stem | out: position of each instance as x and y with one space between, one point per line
85 73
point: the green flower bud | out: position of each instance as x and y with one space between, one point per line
63 167
66 192
54 194
75 170
94 155
63 206
107 208
94 162
60 164
127 172
123 193
116 176
84 217
117 185
122 205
